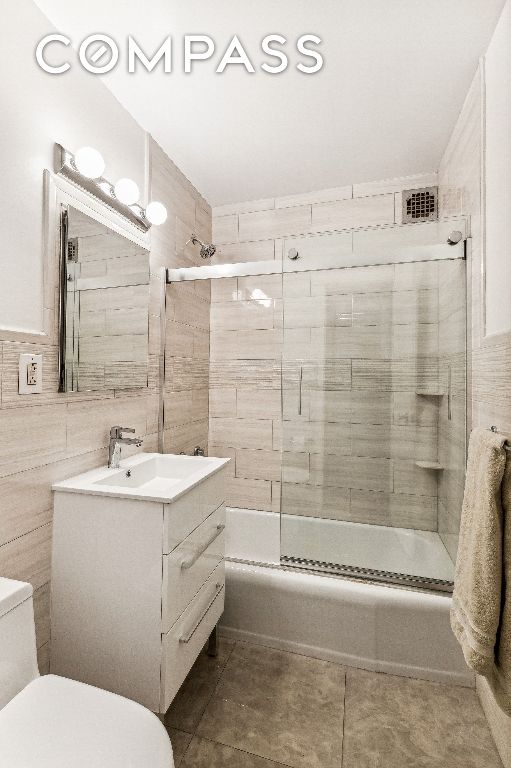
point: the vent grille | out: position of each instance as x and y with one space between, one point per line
420 205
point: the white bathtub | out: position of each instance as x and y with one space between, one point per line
382 628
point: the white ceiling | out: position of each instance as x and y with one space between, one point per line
395 76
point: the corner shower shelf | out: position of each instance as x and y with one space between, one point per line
428 465
431 392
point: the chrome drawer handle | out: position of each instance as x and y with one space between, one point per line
187 562
187 636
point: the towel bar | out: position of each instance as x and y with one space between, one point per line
506 446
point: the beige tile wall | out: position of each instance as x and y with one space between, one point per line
52 436
490 370
364 339
254 230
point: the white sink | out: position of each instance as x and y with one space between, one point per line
146 476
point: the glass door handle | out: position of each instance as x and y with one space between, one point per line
300 391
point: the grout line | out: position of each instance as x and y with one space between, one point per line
214 689
269 760
21 535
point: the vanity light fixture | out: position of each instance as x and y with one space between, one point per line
89 162
85 169
127 191
156 213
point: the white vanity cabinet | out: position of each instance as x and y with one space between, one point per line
138 574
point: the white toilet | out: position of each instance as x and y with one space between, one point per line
55 722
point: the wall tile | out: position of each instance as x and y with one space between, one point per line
249 494
394 509
42 614
395 442
222 401
408 478
260 287
222 452
28 558
354 280
395 308
245 374
225 229
182 407
258 404
245 345
318 311
264 204
258 465
274 223
409 408
45 427
317 437
351 472
233 253
27 499
395 375
315 249
88 431
313 501
224 289
296 284
421 275
350 214
416 181
241 433
243 315
186 437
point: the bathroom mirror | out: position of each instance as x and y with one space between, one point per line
104 300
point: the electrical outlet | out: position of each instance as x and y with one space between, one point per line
32 374
30 378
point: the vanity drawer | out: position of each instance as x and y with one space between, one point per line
188 566
182 516
184 642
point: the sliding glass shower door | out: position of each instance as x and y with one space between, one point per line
373 427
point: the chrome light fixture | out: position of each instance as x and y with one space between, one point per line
126 191
156 213
89 162
86 168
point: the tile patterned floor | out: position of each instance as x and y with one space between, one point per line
253 707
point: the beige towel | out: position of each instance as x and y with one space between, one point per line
481 605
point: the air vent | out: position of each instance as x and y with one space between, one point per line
420 205
72 249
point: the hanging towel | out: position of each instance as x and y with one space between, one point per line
481 603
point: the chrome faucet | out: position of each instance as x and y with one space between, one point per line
116 440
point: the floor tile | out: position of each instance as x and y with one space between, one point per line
396 722
208 754
190 702
281 706
180 741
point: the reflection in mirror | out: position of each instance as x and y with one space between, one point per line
104 306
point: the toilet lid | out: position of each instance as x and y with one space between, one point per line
57 723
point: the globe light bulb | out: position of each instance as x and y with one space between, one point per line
156 213
89 162
126 191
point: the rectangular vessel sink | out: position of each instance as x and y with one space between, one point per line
146 476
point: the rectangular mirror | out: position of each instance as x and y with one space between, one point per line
104 301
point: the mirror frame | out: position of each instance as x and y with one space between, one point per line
59 194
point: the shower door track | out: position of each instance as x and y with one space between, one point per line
368 574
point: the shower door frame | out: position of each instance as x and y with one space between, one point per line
170 276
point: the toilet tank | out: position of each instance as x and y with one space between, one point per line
18 657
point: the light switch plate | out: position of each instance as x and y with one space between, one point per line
30 378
